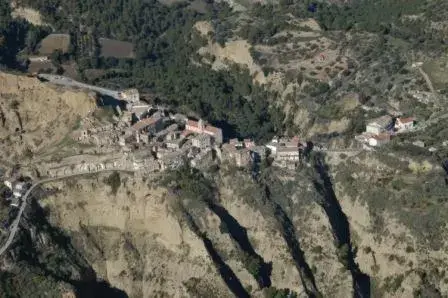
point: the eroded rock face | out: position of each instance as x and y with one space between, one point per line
138 241
35 116
134 240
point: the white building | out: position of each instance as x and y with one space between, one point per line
202 141
38 59
419 144
8 184
404 124
273 147
139 109
288 153
15 202
379 125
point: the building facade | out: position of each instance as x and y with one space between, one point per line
288 153
404 124
200 127
379 125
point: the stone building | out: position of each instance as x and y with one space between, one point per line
150 125
202 141
200 127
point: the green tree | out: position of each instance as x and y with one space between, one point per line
114 181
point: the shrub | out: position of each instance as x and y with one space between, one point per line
114 181
273 292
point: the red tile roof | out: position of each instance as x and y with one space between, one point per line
145 122
212 129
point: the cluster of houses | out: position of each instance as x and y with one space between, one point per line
169 137
127 162
379 131
143 127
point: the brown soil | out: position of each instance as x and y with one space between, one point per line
35 116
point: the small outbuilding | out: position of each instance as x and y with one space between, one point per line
379 140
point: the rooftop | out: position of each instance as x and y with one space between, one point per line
212 129
406 120
282 149
207 128
381 121
145 122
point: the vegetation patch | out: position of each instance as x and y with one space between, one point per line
114 181
55 42
116 48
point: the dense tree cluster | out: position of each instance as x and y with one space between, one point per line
165 45
17 35
12 36
378 16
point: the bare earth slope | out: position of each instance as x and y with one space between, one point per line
35 116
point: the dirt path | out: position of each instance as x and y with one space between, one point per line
429 83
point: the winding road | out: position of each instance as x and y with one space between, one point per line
15 224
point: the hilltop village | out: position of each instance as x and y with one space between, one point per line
149 138
134 135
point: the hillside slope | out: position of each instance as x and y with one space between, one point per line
35 116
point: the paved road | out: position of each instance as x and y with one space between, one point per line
15 224
68 82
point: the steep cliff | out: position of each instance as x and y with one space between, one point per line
35 117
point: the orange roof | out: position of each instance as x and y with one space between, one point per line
145 122
406 120
212 129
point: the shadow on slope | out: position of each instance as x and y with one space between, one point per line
228 276
239 235
290 237
340 226
51 252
